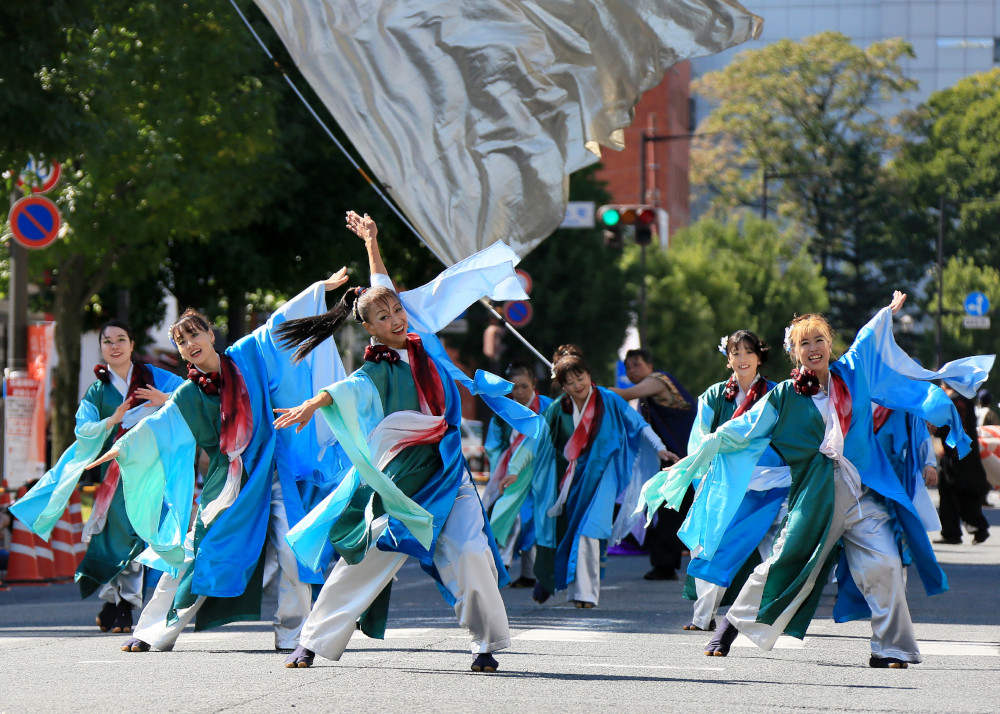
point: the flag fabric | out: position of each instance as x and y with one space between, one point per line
473 114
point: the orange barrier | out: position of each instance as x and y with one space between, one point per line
23 564
75 514
64 547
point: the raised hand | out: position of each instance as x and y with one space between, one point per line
336 280
898 299
152 395
362 226
118 414
301 415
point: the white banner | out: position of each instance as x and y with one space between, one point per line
474 113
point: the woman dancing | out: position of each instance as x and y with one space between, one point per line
124 392
758 520
820 423
251 492
397 418
599 442
513 465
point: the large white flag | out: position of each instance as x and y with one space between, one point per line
473 113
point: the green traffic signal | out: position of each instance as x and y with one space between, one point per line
609 216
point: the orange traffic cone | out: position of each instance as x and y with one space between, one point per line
63 547
23 565
75 511
44 559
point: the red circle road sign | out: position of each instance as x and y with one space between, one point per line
518 313
35 221
525 279
41 176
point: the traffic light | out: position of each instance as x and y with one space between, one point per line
614 218
610 219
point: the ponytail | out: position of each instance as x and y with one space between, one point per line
307 333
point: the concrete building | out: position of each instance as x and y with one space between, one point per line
951 38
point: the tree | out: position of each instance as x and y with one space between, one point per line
799 117
962 276
718 278
174 136
954 155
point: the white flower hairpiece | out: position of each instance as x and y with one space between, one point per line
724 344
788 339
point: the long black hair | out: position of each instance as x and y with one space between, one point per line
307 333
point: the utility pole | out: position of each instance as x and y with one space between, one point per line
17 304
938 351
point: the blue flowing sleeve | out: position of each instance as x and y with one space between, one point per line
156 459
702 426
897 381
724 461
492 445
42 506
543 488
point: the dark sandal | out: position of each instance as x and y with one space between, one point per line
485 662
134 644
694 627
123 618
301 658
106 617
723 639
583 604
887 663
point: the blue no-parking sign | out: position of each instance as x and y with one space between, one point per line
34 221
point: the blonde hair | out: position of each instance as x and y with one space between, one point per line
803 325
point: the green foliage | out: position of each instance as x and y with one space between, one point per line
718 278
955 154
962 276
801 113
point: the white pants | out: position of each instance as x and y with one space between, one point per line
586 586
294 596
127 586
710 594
464 560
870 547
508 552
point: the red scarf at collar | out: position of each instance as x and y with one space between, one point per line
430 391
581 435
235 412
106 490
500 472
806 383
757 390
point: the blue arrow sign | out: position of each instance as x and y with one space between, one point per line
976 303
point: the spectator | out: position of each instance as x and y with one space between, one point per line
985 416
670 410
963 485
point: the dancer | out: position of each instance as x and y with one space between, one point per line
820 422
963 487
397 417
602 446
512 464
251 494
125 391
750 537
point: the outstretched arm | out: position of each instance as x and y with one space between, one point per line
648 387
364 227
303 413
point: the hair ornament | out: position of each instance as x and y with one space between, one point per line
724 345
788 339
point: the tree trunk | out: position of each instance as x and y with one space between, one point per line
68 308
236 316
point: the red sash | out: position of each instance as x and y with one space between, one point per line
108 486
842 401
880 417
581 436
500 472
430 391
757 390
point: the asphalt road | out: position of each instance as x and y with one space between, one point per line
628 655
